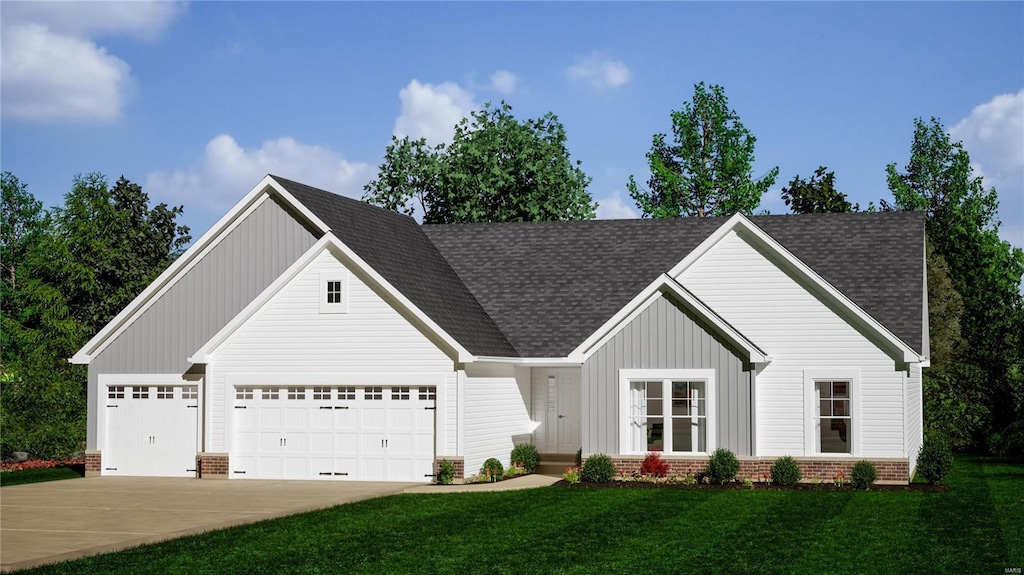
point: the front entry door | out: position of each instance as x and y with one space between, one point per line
568 422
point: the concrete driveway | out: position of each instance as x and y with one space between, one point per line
48 522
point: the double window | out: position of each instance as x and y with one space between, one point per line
671 411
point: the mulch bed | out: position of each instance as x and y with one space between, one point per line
755 487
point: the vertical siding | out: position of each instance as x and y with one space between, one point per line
915 415
230 276
290 336
799 331
497 413
664 336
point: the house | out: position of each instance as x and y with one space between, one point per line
312 336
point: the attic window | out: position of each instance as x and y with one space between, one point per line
333 293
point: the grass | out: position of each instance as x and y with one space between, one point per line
8 478
975 527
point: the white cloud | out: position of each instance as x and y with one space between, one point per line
53 68
226 171
504 82
431 111
613 208
993 134
598 72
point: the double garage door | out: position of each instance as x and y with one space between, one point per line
369 433
151 430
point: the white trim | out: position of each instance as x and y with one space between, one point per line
329 378
529 361
663 285
460 407
192 256
628 375
812 375
741 225
328 242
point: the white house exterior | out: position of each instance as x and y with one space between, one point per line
309 336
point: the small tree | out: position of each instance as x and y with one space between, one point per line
707 169
817 195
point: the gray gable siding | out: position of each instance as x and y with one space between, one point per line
665 336
205 299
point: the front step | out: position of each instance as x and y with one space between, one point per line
555 463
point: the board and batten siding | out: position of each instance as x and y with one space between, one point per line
497 413
290 340
664 336
915 415
255 253
799 331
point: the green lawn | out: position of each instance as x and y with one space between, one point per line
8 478
975 527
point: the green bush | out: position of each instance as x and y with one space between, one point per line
445 472
785 471
864 474
935 459
493 470
525 455
598 469
723 466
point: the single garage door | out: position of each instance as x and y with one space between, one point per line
366 433
151 430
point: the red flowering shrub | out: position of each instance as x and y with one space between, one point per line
40 464
654 465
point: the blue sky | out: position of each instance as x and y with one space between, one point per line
198 101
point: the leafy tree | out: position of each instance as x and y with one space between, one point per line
984 270
707 169
945 308
817 195
497 169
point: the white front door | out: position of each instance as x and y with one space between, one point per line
368 433
568 417
151 430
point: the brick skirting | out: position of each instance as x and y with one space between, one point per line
212 465
457 462
93 463
757 468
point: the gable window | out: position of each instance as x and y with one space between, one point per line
667 410
333 293
830 408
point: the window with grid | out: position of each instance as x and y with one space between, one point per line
333 291
683 429
428 393
296 393
270 393
399 393
347 393
244 392
834 421
373 393
190 392
115 392
140 393
164 392
322 393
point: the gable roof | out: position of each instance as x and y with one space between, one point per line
550 285
395 246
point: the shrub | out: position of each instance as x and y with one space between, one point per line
723 466
935 460
579 457
598 469
525 455
654 465
785 471
571 475
863 475
445 472
513 471
492 469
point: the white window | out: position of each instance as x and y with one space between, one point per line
428 393
191 392
667 410
270 393
399 393
140 393
115 392
347 393
244 392
333 293
165 392
373 393
296 393
831 411
322 393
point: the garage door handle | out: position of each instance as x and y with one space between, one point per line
111 406
341 407
429 408
341 473
325 473
325 407
239 407
193 406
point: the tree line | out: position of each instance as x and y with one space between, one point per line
69 270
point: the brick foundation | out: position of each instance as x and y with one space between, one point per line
457 462
93 463
890 470
212 465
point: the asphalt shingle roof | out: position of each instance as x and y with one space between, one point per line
538 289
395 246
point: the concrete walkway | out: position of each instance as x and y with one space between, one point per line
48 522
523 482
